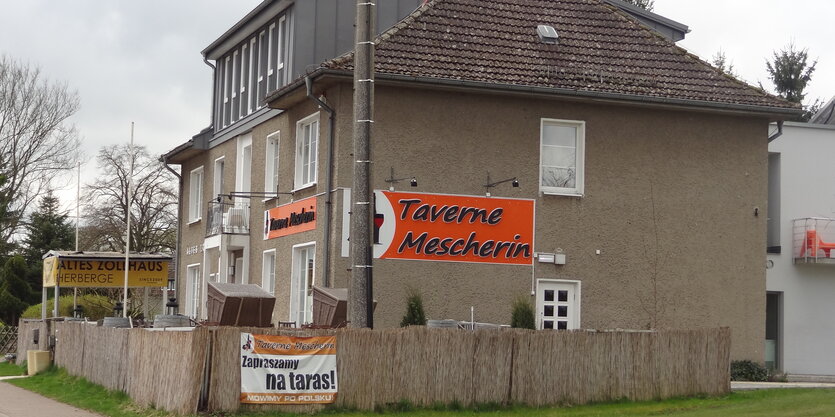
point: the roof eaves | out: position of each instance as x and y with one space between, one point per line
649 15
779 112
180 148
300 83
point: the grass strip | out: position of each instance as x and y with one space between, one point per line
768 403
55 383
10 369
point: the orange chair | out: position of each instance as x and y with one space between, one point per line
814 243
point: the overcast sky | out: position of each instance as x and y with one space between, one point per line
140 60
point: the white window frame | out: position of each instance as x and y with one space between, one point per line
243 173
195 195
579 157
280 52
301 314
244 75
272 163
261 78
193 286
268 271
312 157
253 68
243 99
270 63
226 88
235 74
217 175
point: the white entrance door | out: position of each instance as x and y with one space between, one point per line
558 304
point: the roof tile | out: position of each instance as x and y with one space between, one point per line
600 50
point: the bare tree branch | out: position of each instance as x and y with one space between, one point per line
153 205
36 141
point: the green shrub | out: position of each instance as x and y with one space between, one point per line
414 311
523 314
94 307
748 371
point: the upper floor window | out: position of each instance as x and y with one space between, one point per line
561 157
271 163
195 195
243 177
268 271
249 72
307 138
218 176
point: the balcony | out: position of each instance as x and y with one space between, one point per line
814 240
227 218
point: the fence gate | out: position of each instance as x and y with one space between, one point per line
8 340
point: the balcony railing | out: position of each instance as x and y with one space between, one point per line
814 240
227 218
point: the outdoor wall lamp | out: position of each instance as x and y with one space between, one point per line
513 182
391 180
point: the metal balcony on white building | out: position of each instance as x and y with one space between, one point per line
814 240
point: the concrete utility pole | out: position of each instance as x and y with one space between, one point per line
359 291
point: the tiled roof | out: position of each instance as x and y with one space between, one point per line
600 50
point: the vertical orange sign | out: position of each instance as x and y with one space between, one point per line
296 217
454 228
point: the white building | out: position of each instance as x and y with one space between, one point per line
800 307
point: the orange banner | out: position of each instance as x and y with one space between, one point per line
296 217
454 228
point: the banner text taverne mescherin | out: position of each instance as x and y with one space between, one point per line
460 228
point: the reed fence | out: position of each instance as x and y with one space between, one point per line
175 370
8 339
159 369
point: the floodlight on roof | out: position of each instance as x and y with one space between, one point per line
547 34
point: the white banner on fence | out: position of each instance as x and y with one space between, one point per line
288 370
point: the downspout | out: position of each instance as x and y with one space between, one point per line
179 226
778 133
308 82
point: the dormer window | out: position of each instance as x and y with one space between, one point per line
250 71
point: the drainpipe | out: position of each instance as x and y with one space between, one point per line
308 82
179 228
776 134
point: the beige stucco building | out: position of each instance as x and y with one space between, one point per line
641 171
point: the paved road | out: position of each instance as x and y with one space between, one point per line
17 402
